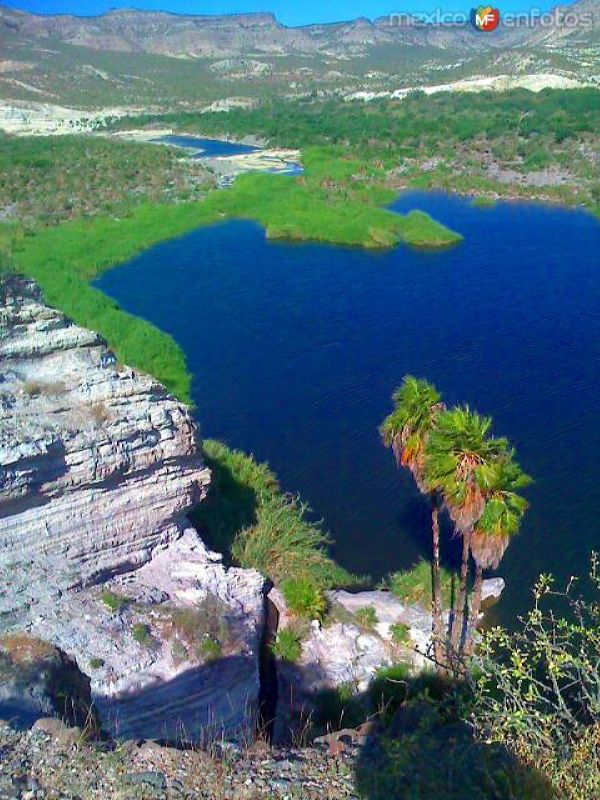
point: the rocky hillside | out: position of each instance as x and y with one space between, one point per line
242 34
98 466
129 59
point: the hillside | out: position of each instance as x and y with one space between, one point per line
140 58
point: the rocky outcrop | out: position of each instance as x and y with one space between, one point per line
348 653
38 680
98 467
98 464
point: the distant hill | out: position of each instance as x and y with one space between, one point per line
130 56
163 33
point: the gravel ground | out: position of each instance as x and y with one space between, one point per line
35 765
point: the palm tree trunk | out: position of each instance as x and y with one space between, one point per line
459 609
475 605
436 594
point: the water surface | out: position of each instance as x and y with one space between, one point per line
296 349
209 148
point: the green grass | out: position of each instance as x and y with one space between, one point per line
367 617
400 633
210 649
142 634
248 518
414 585
304 599
113 601
483 202
287 646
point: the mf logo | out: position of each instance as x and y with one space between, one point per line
485 18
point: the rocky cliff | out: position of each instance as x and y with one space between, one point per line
98 466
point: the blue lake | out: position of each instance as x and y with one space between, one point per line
209 148
295 351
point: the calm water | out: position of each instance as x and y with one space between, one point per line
209 148
296 349
212 148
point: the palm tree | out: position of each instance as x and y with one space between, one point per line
500 521
457 449
406 430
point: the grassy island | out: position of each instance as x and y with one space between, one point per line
337 200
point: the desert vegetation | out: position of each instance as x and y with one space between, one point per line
522 720
489 143
47 180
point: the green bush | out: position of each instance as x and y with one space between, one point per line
367 617
113 601
400 633
246 516
210 649
304 599
142 634
96 663
413 586
537 689
389 689
287 645
204 628
339 708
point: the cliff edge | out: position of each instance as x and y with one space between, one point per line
98 467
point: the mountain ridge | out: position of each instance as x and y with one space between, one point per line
197 36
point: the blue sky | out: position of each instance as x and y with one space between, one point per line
289 12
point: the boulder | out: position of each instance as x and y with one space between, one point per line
39 681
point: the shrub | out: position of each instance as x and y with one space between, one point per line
389 689
339 708
537 690
203 629
287 645
414 585
179 652
96 663
367 617
400 633
142 634
114 602
209 649
304 599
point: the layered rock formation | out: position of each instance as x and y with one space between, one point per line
98 466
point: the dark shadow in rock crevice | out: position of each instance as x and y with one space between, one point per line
230 506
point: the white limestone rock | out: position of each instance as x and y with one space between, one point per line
98 467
